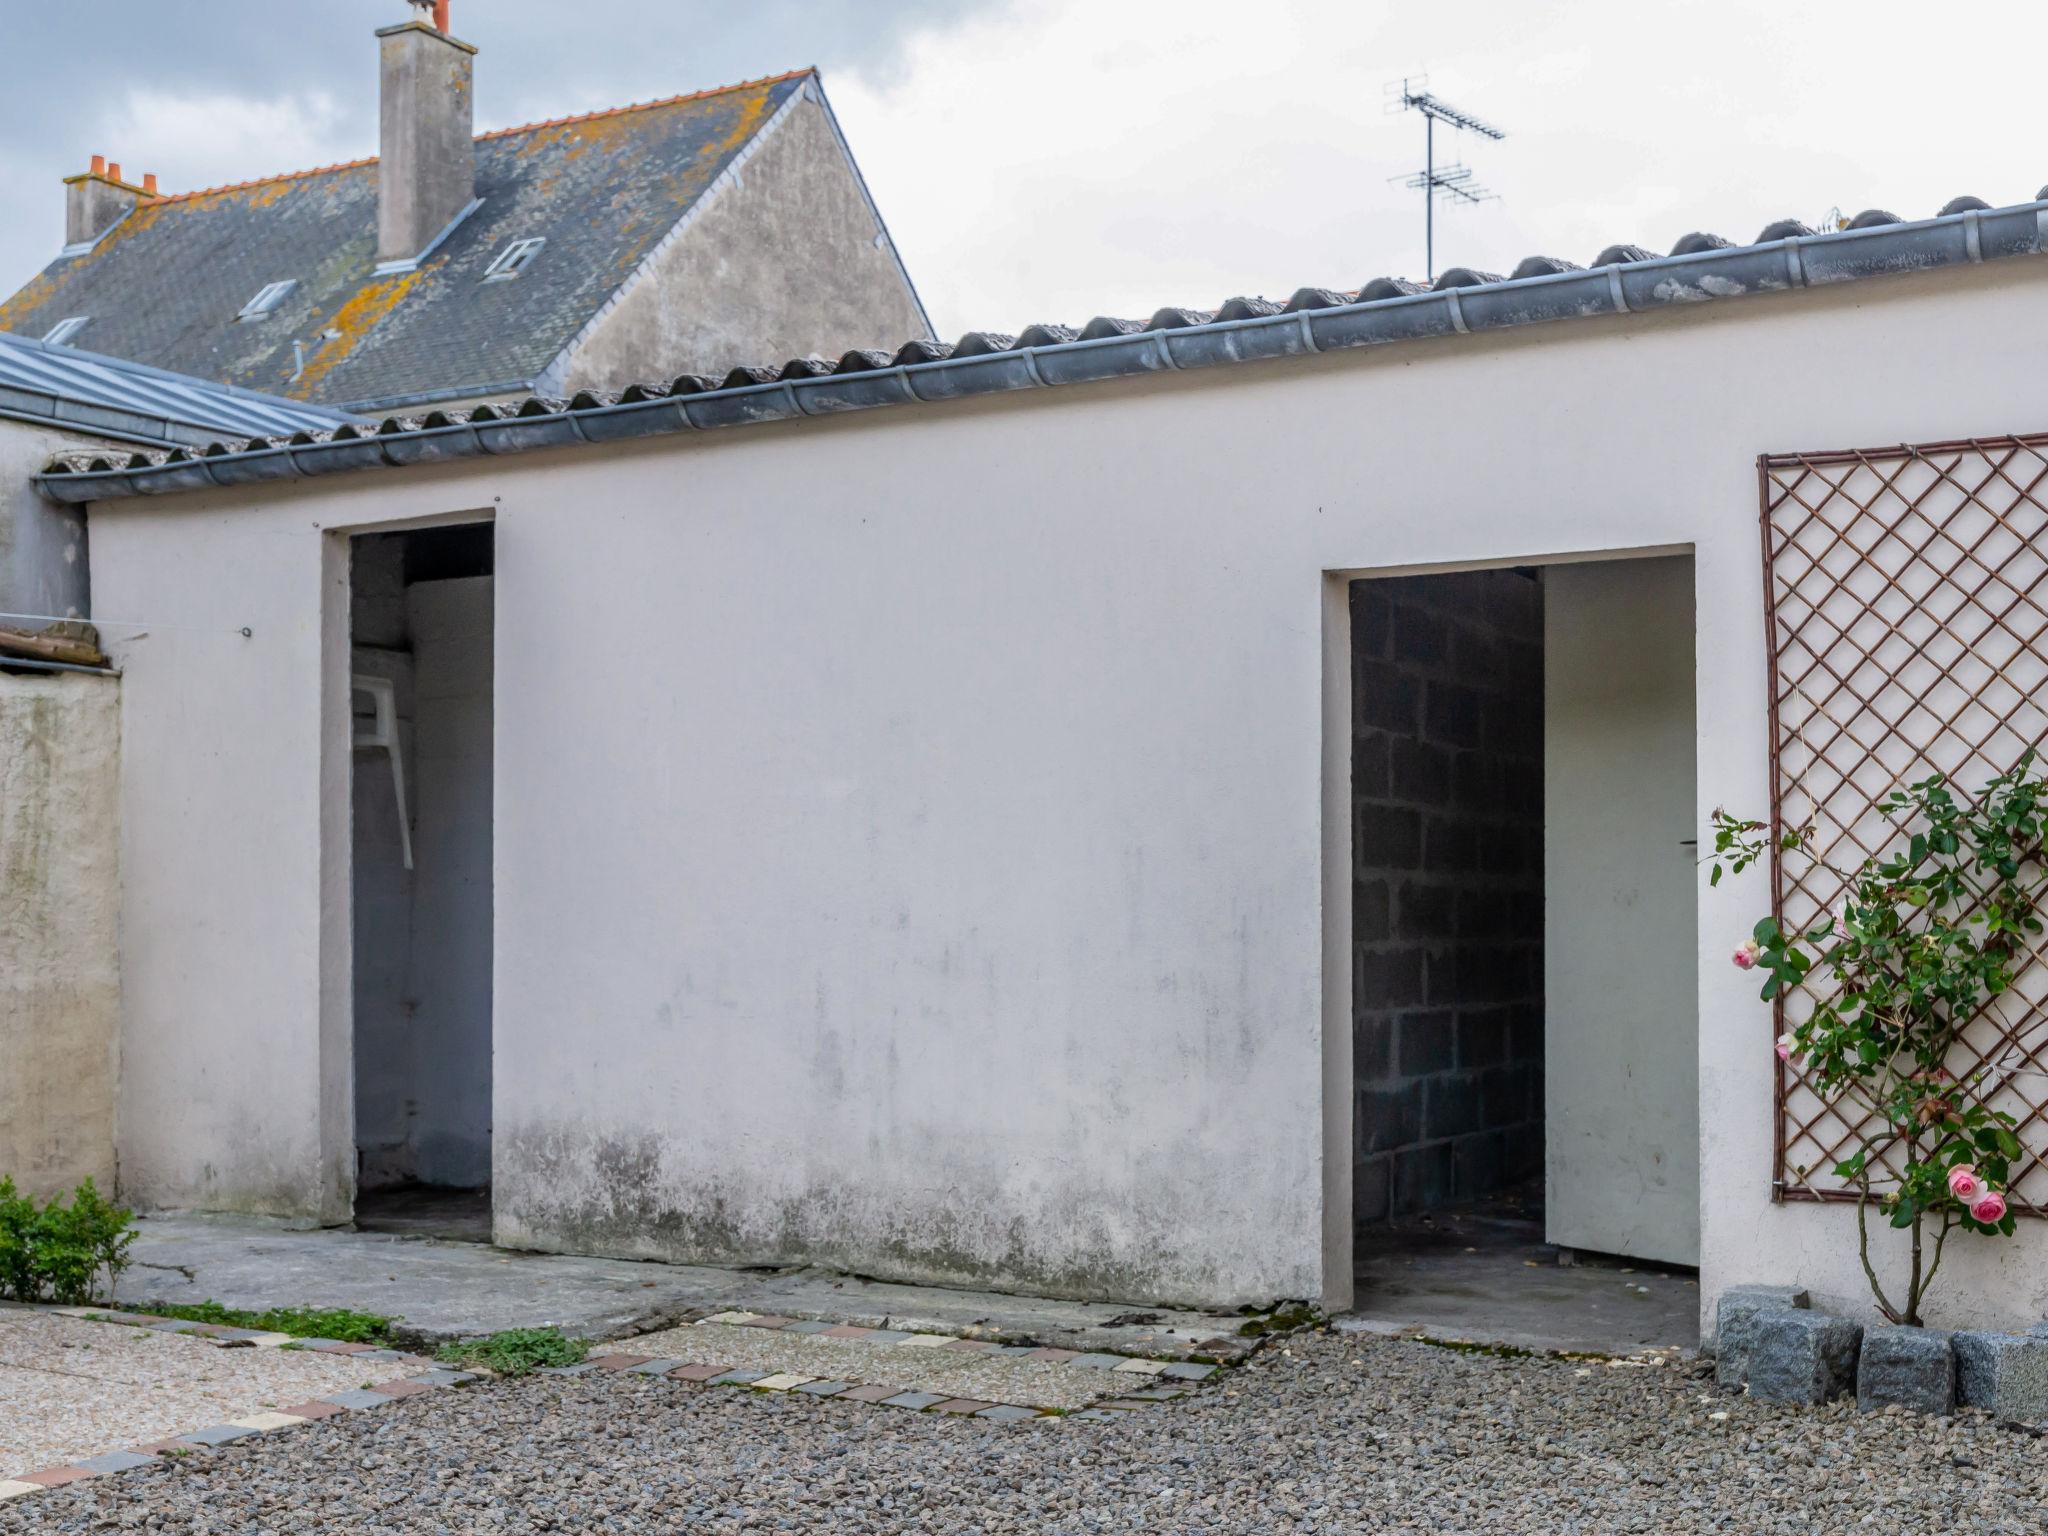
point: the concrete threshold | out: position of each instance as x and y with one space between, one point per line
446 1290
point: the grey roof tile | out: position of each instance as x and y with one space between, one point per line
167 283
1702 266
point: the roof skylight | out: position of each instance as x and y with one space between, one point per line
60 334
514 259
267 299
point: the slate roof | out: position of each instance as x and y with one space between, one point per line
113 398
165 284
1701 269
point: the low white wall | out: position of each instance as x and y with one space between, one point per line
922 871
60 881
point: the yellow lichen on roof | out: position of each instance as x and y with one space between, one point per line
354 320
40 290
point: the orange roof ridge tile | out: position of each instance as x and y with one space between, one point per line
495 133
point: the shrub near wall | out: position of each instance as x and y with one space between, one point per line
57 1252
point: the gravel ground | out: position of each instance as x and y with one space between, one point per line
1321 1434
991 1378
71 1389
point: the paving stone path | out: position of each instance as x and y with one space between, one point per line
1323 1433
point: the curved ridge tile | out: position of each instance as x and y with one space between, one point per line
1871 218
691 384
1045 335
637 394
1782 229
1242 308
1543 266
862 360
1963 204
1314 298
541 405
812 367
982 343
751 373
1623 256
1108 325
1390 288
922 352
1174 318
593 400
1464 277
1699 241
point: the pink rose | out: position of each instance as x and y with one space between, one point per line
1989 1208
1745 954
1786 1046
1964 1184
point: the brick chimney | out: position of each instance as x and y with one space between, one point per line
427 171
98 200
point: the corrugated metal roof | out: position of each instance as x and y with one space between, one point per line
111 397
1624 279
167 282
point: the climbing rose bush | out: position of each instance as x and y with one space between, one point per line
1930 930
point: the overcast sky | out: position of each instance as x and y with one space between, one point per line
1057 159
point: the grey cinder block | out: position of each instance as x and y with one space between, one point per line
2005 1374
1908 1367
1734 1314
1802 1357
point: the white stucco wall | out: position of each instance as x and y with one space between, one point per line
60 878
926 872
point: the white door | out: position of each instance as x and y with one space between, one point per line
1621 1017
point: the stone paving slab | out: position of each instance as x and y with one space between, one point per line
445 1291
989 1377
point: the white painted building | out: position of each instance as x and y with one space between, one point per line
924 840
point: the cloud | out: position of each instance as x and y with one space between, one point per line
1065 158
189 138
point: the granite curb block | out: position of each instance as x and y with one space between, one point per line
1906 1368
1735 1319
1770 1342
228 1432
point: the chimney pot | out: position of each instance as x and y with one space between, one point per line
426 173
149 183
114 171
99 165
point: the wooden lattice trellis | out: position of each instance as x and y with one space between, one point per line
1906 613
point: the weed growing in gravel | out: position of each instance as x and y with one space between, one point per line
1284 1318
338 1323
516 1351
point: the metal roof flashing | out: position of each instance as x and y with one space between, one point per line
1463 302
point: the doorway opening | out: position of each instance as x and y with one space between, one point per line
1524 1030
420 617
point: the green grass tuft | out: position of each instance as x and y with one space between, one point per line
516 1351
338 1323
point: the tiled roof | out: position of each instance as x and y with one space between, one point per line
167 282
1702 268
113 398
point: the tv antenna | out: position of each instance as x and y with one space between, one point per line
1455 179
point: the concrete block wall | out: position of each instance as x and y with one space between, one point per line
1448 898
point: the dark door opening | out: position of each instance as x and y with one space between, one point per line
421 661
1524 1021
